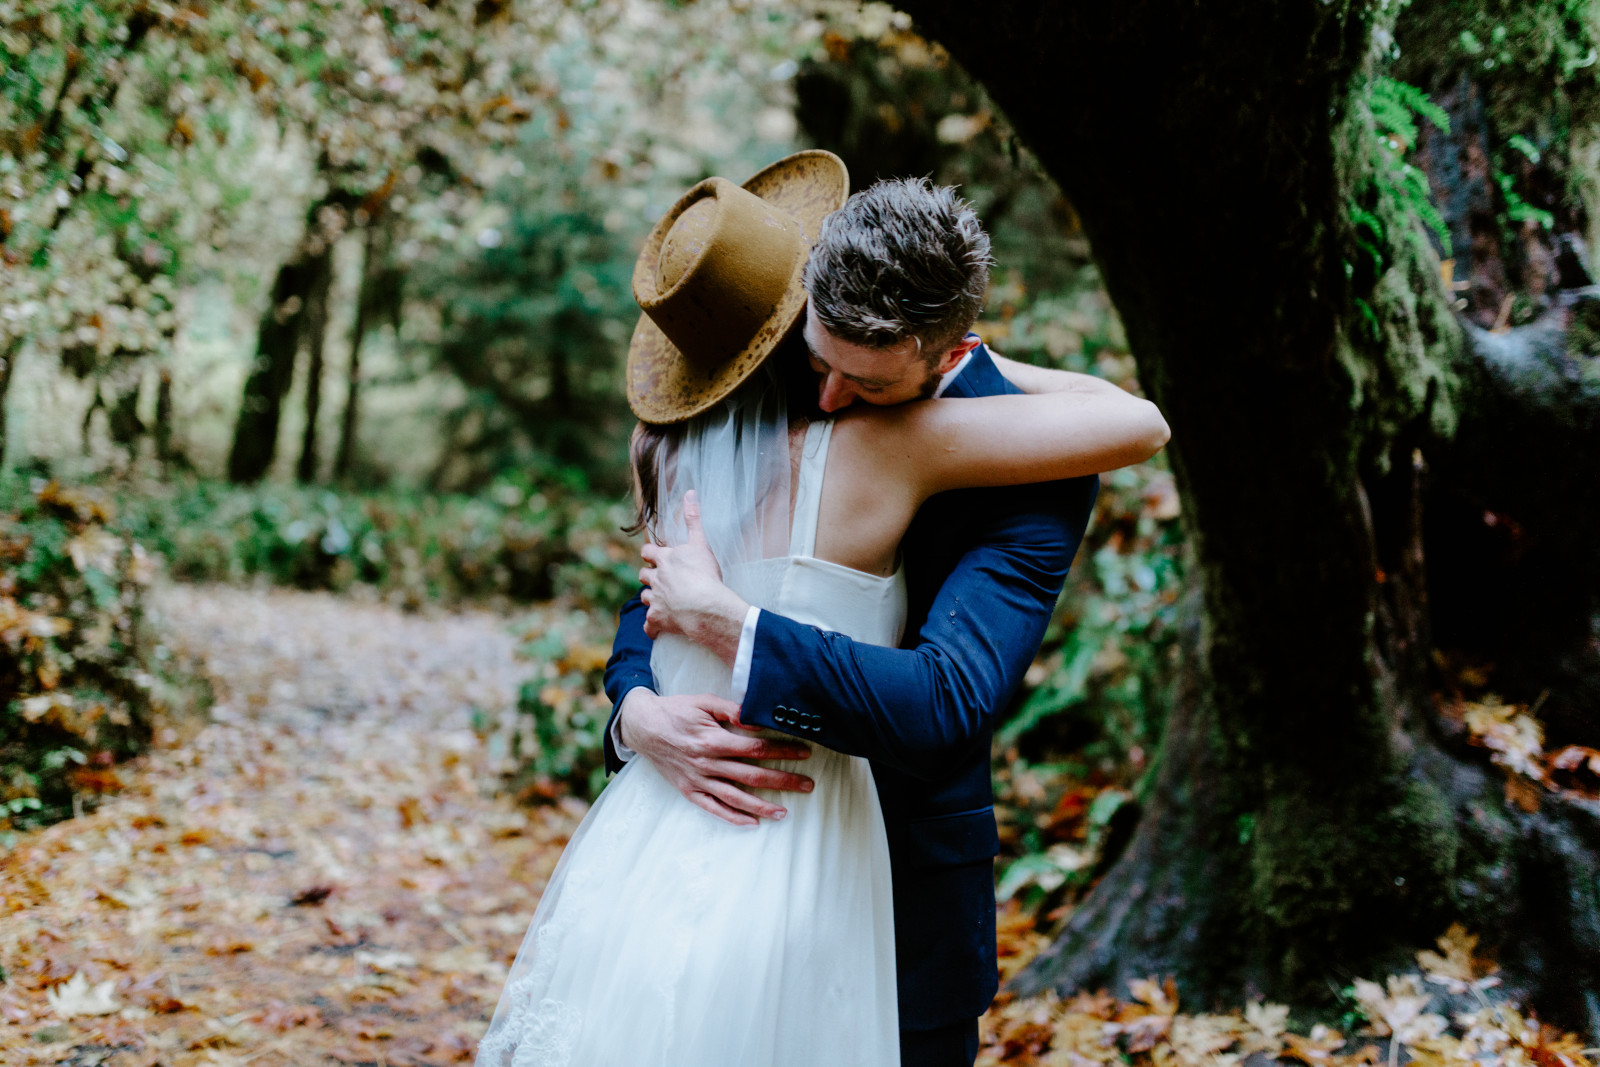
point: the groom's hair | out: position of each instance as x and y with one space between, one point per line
903 258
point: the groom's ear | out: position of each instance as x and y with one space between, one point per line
948 361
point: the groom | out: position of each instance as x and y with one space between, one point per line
895 281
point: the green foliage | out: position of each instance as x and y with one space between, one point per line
1395 108
562 713
1518 209
109 129
81 680
1043 872
1535 67
524 539
1395 105
1525 146
1386 195
532 277
145 149
1546 44
1104 671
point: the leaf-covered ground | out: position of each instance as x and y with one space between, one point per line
326 873
331 871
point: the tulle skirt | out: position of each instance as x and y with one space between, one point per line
668 937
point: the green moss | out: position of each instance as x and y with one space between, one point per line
1348 877
1536 61
1583 330
1536 66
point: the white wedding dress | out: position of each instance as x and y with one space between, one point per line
668 937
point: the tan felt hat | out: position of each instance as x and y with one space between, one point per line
718 280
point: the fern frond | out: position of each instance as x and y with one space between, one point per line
1435 222
1525 146
1360 216
1418 101
1369 319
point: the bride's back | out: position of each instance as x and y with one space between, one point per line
864 509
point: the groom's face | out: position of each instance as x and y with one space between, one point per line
850 372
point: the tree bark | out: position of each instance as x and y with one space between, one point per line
255 435
8 366
1308 817
316 327
165 453
370 252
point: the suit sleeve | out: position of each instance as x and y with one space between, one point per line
628 667
922 709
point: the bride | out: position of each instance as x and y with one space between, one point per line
667 936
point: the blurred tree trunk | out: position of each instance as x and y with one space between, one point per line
352 377
316 326
8 365
379 297
1310 815
283 324
163 426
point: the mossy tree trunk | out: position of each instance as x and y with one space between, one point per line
1310 816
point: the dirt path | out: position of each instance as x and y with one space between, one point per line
325 873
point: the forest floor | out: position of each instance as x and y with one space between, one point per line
329 870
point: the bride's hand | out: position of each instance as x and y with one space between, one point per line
685 594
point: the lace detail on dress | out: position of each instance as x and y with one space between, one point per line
550 1036
542 1037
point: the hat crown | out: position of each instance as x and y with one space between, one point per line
714 270
685 242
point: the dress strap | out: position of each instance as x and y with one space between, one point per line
808 488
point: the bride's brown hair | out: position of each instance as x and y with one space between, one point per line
644 454
799 385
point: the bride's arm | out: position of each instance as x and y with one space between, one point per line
932 446
1032 379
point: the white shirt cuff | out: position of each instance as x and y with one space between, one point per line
624 753
741 658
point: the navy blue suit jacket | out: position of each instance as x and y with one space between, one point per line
984 569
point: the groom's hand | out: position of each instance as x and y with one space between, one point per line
684 593
697 744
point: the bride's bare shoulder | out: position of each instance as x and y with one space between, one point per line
867 500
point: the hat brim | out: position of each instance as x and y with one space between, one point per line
664 386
